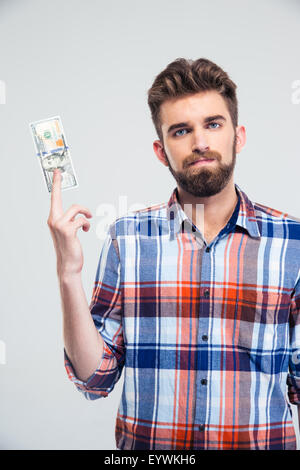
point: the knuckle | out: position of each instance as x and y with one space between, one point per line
50 222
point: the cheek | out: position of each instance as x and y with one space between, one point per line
224 144
174 156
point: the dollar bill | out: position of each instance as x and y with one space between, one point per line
53 151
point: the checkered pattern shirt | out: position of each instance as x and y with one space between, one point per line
207 335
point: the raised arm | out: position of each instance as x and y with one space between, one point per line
83 343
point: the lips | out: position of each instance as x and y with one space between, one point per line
202 160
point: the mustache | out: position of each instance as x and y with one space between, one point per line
210 154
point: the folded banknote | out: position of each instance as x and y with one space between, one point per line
53 152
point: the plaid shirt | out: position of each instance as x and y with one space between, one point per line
209 334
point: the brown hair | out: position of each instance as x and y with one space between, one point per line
184 77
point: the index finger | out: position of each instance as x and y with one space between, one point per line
56 200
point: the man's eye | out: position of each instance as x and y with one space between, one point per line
215 125
180 130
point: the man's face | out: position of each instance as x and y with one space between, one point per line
201 153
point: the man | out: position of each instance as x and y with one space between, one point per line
196 299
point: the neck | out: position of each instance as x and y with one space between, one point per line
209 214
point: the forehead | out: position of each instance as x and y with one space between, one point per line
197 106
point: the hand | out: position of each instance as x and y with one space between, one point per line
63 228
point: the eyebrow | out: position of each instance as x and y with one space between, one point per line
186 124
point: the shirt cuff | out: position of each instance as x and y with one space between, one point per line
101 381
293 383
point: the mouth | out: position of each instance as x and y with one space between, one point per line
202 161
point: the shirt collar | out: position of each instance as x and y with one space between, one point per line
246 216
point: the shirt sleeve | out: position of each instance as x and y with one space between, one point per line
293 378
106 311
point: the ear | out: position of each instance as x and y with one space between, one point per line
240 138
160 153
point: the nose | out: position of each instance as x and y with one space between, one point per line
200 143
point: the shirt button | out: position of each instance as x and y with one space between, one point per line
203 382
201 427
207 249
204 337
206 293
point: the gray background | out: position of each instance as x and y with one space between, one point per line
92 63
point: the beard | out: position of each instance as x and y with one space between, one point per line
204 182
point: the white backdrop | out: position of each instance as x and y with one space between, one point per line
92 63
